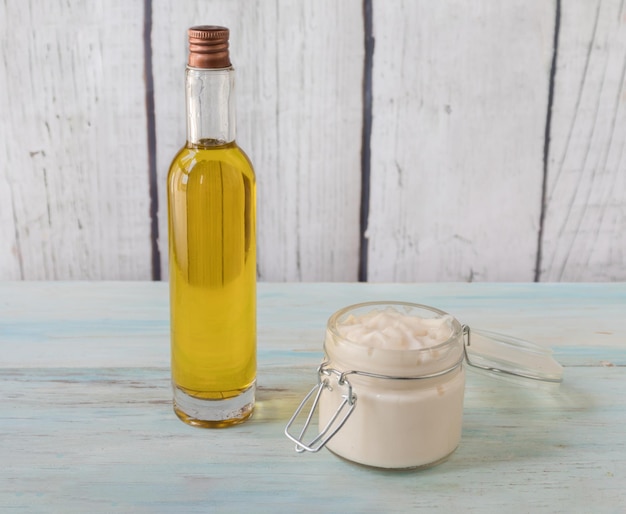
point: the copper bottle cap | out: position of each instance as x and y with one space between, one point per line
208 47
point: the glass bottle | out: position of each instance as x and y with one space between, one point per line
212 247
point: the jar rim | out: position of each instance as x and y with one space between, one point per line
457 328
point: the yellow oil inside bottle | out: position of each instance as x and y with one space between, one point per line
212 263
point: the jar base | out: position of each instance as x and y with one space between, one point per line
418 467
206 413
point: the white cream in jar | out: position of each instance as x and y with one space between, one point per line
403 365
390 391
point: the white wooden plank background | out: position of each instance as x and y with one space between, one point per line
299 69
585 229
73 177
460 102
460 95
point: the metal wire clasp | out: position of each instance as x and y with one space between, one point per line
336 421
467 340
348 402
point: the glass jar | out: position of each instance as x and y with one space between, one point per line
402 407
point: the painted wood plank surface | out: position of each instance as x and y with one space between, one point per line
299 70
457 139
585 220
86 422
127 324
492 150
73 178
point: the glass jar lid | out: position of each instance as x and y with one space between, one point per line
501 354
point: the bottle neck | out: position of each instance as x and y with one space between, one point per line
210 95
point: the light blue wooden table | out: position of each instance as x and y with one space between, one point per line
86 423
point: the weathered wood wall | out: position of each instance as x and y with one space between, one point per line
393 141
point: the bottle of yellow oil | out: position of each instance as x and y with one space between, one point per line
212 247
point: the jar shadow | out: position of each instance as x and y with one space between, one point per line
511 421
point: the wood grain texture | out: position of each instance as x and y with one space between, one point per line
299 71
585 227
457 139
86 423
73 180
460 103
